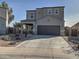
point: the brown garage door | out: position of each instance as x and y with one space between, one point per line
48 30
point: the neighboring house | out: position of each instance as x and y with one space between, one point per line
5 17
75 29
45 21
76 26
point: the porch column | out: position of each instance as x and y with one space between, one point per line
34 28
24 26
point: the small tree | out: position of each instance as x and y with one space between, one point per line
17 26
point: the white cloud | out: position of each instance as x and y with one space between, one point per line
71 20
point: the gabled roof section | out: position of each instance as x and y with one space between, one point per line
76 25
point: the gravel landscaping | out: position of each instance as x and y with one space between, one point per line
74 43
4 43
10 40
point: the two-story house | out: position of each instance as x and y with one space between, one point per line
45 21
6 17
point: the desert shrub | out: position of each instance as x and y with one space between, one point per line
12 43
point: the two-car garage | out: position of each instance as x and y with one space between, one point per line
48 30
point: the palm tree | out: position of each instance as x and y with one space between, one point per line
4 4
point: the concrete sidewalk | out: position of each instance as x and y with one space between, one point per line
36 52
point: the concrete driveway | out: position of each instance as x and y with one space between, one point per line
40 47
44 42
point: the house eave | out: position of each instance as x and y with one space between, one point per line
27 20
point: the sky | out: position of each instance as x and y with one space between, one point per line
71 12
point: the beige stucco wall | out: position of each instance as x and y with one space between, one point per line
48 20
2 12
2 26
3 20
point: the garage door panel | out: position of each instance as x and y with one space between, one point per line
49 30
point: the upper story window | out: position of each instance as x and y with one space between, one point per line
56 11
49 11
31 15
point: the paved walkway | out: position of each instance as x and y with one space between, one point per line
39 47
